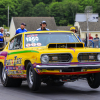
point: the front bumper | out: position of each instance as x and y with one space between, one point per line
63 69
48 67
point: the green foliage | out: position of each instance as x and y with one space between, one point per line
34 2
40 10
63 22
26 8
56 10
4 8
62 10
5 27
70 25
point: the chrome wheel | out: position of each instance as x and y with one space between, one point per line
3 74
31 76
33 79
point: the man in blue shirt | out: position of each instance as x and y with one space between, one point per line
43 25
1 34
22 29
1 37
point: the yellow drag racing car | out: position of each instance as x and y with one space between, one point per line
52 57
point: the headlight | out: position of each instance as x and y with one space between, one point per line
98 57
44 59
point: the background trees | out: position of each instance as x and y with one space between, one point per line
40 10
62 10
25 8
13 11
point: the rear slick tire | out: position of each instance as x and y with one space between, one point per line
33 79
94 80
7 81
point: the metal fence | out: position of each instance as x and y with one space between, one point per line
93 43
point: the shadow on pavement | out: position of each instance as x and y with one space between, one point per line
44 89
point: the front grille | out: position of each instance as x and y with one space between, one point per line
87 57
59 58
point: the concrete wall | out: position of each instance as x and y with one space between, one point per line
83 34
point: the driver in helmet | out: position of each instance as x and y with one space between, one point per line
43 25
73 29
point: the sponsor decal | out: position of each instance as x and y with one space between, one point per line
33 39
17 60
28 45
39 44
18 72
37 70
34 64
33 56
28 35
72 49
14 68
33 44
17 68
14 62
2 57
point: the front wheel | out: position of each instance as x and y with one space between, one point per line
33 78
94 80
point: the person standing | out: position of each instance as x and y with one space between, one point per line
1 37
1 34
21 29
96 41
90 37
96 37
43 25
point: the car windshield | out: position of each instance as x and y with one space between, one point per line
42 39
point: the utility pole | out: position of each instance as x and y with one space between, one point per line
87 30
88 11
87 16
8 16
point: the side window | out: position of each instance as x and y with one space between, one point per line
11 45
16 43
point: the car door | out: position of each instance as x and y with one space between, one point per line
14 60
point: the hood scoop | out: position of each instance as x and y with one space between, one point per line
66 45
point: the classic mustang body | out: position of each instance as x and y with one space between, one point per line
52 57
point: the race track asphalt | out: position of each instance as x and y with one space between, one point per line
78 90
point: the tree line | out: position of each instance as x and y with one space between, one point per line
62 10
